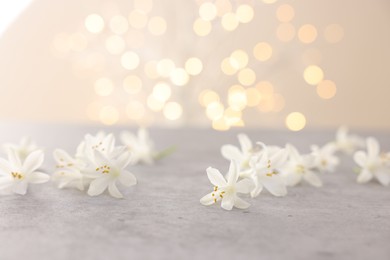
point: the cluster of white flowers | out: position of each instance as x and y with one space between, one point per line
97 165
21 167
254 167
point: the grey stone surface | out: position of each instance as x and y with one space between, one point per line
161 217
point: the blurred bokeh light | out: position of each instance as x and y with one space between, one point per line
216 63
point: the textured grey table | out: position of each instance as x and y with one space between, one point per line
161 217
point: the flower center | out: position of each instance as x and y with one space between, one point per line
217 194
324 162
104 169
98 146
300 169
17 175
270 174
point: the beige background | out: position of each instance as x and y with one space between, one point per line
36 86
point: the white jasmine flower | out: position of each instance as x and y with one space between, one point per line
325 159
264 171
68 170
15 174
100 142
141 146
105 170
300 167
243 156
372 163
23 149
226 190
347 143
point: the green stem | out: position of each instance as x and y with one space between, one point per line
164 153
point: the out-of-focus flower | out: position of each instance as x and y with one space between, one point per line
300 167
372 163
142 148
325 159
241 156
346 142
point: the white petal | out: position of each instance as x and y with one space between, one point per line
61 156
342 133
80 150
100 158
38 177
20 188
5 182
128 139
292 178
233 173
227 202
14 158
113 190
215 177
63 183
329 148
279 158
207 199
383 177
80 185
33 161
312 178
293 152
91 173
143 134
127 178
123 160
109 141
98 186
4 167
240 203
274 184
231 152
245 186
364 176
258 188
245 142
360 158
372 147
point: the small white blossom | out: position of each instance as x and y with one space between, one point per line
373 163
141 146
68 170
325 159
23 149
346 142
300 167
105 170
16 174
226 190
264 171
241 156
100 142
